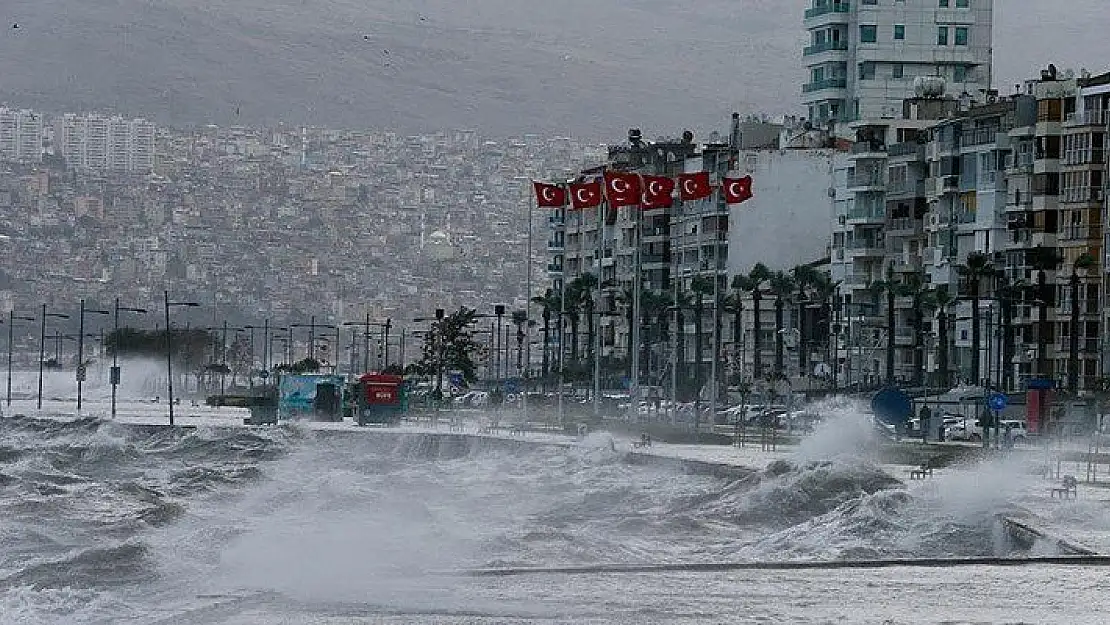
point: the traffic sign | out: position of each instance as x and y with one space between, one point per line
81 373
263 374
997 401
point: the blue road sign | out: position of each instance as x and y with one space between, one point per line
892 406
997 401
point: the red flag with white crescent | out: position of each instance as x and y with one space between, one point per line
623 189
657 192
549 195
694 186
737 190
585 195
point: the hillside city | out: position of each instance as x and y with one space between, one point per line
278 223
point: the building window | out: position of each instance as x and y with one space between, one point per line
897 70
961 35
959 73
963 4
868 33
942 36
867 71
899 32
943 4
869 2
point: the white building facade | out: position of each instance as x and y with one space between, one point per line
863 55
105 144
20 135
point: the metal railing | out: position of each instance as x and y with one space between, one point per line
828 83
824 8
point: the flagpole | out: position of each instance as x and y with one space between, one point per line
675 218
597 302
527 316
716 292
634 403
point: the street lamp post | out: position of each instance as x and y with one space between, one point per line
81 349
169 345
12 318
114 375
311 325
42 346
366 325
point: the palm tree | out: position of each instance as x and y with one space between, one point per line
734 304
1008 293
1043 259
940 299
551 303
519 318
754 282
700 286
584 286
782 287
975 269
914 287
805 279
891 288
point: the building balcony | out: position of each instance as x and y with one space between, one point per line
908 151
835 9
555 246
979 136
1087 118
862 216
1083 195
866 249
904 227
910 264
828 83
554 268
873 181
903 189
1084 234
825 46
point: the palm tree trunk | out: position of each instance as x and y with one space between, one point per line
680 341
699 311
976 353
890 340
780 366
1042 326
738 333
1008 347
803 336
590 329
629 347
546 342
574 339
757 344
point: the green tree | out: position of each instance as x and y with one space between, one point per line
520 319
449 345
756 278
583 287
806 281
782 286
550 301
891 289
939 299
975 270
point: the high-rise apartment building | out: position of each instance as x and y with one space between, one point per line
20 135
105 144
863 55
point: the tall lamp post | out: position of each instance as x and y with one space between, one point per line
169 345
81 349
114 375
12 318
42 345
366 325
311 325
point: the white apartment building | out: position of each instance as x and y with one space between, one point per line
863 55
20 135
107 144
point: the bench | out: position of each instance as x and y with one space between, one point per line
1069 488
516 430
456 426
645 441
921 472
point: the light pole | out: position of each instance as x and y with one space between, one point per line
81 349
499 312
42 345
114 375
12 318
366 325
169 345
311 325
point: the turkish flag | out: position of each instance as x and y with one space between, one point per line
737 190
657 192
549 195
694 186
585 195
623 189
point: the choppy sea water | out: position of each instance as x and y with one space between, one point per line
103 523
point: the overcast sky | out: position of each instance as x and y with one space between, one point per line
583 67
